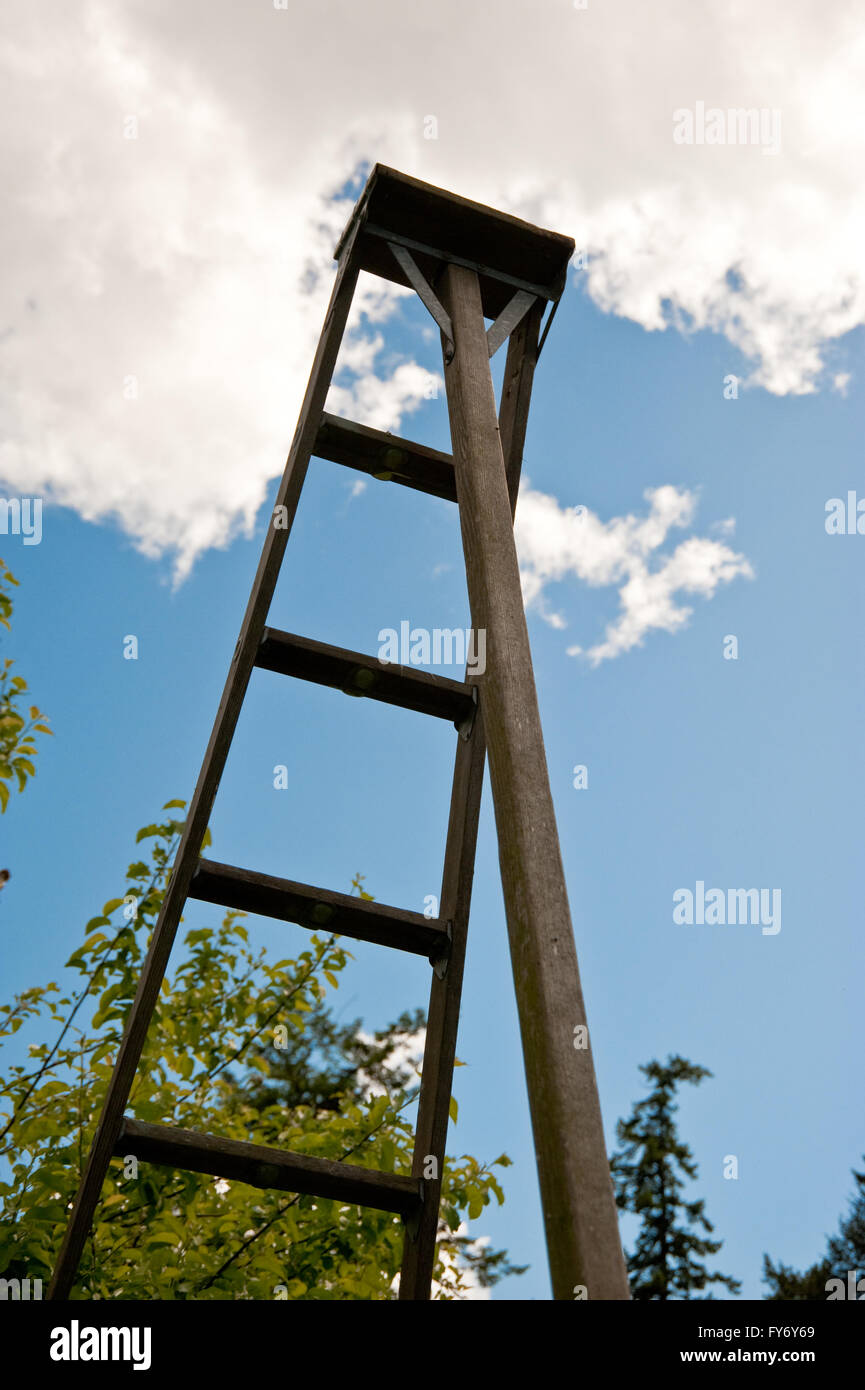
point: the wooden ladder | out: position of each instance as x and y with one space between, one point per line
466 262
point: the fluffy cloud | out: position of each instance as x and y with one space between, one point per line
405 1056
164 293
555 542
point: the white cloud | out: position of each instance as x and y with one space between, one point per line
473 1291
406 1050
840 382
556 542
383 401
196 258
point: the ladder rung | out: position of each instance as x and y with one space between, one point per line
385 456
268 1168
318 908
357 674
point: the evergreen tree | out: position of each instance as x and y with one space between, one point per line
647 1169
844 1251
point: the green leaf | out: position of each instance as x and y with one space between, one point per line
53 1088
453 1108
164 1234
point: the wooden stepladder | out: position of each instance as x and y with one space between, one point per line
466 262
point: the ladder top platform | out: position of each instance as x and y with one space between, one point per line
438 226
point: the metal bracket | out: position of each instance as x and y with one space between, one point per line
465 725
512 314
360 682
412 272
412 1220
440 963
550 316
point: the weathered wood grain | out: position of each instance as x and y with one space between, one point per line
319 909
261 1167
357 674
386 457
576 1190
201 805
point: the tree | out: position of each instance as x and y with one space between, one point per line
208 1065
844 1252
646 1177
328 1063
17 746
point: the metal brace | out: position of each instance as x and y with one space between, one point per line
415 278
412 1220
512 314
440 963
465 725
550 316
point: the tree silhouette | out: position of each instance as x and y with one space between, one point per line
647 1177
844 1252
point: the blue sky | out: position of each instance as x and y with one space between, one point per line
740 773
176 183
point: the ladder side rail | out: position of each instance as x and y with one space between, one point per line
200 808
445 992
580 1216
